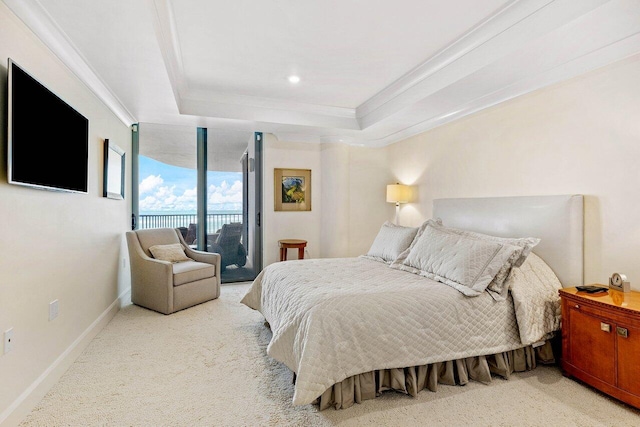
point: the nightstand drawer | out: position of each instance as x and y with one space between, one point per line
587 331
610 314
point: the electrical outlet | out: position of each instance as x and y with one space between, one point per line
53 309
8 340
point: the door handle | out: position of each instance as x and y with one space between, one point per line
623 332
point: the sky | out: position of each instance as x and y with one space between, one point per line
165 188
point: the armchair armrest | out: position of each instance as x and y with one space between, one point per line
201 256
151 279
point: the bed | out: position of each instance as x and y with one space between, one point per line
352 328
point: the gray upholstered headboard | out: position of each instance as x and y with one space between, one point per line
556 220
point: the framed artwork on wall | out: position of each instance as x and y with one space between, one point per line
114 167
292 189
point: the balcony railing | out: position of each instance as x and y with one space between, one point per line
214 221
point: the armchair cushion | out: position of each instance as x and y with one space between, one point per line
191 271
172 252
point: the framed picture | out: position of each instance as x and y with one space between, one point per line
113 182
292 189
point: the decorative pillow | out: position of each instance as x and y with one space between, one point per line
527 244
391 241
172 253
463 261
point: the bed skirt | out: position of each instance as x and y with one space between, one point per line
411 380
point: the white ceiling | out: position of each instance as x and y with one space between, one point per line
372 72
344 51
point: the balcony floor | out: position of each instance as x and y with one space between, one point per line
237 274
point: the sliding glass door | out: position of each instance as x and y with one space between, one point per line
228 219
204 183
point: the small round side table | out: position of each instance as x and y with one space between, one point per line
285 244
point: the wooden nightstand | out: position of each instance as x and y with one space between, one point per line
601 341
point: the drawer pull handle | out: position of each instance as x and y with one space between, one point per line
623 332
577 306
605 327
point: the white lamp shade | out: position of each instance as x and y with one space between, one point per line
398 193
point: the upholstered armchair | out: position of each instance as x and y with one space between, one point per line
166 286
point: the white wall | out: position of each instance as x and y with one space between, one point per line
369 175
348 198
335 195
304 225
63 246
581 136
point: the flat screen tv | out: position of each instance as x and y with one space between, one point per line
48 140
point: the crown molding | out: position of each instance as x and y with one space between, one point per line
507 30
502 19
267 110
527 40
44 27
197 101
263 110
525 46
274 103
167 35
614 52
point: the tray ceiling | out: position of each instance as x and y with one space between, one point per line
371 72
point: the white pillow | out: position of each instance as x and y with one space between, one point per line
516 260
460 259
172 253
391 241
526 243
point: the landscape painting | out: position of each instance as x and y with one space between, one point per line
292 189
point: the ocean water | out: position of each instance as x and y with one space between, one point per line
232 212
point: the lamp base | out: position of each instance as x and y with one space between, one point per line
397 220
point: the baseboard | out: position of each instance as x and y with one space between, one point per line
23 405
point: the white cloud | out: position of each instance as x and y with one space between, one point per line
150 183
225 197
164 198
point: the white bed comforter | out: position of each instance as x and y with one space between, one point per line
335 318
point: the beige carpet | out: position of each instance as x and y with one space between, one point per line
206 366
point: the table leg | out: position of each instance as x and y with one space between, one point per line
283 254
300 253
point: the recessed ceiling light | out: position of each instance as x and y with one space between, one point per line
294 79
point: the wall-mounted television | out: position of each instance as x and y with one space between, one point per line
48 140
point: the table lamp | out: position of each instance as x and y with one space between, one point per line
398 193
